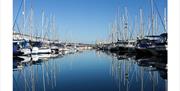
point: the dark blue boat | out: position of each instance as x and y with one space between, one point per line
16 49
155 45
20 47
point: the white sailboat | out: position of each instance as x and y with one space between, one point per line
25 50
44 49
53 46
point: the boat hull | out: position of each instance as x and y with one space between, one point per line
36 50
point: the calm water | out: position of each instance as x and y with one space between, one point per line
88 71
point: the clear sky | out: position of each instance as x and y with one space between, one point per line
85 20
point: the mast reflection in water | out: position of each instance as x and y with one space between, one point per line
89 71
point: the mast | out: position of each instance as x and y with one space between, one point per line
54 28
42 26
149 25
156 24
116 30
112 33
31 25
51 36
118 26
122 25
165 20
24 14
141 24
135 27
131 30
109 34
152 15
126 24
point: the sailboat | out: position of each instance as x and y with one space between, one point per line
21 46
39 47
54 45
155 45
159 47
124 45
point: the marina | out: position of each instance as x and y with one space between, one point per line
131 55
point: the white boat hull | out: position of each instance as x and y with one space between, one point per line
26 51
36 50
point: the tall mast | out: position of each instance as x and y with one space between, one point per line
141 24
120 30
126 24
156 24
112 33
149 25
130 30
152 15
31 25
50 35
42 25
115 30
123 27
165 20
54 32
24 16
54 27
135 27
118 26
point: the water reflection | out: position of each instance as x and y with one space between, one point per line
89 71
34 73
144 74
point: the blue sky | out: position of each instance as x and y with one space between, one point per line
86 20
